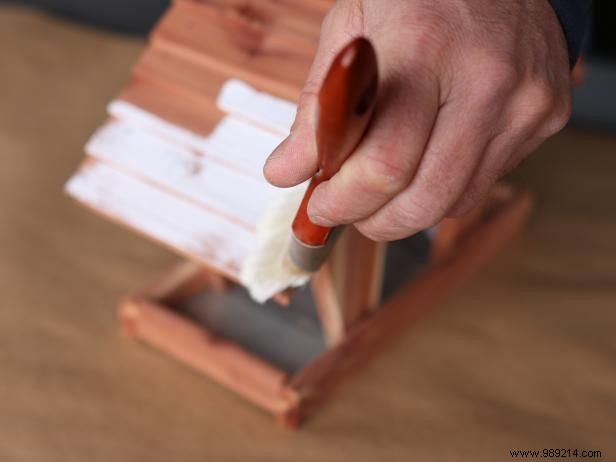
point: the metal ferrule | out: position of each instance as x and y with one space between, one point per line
310 257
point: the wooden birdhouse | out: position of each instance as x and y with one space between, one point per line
179 161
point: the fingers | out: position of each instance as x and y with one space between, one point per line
295 159
453 152
386 160
473 143
449 121
537 113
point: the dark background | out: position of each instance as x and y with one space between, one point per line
129 16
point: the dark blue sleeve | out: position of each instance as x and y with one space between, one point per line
573 16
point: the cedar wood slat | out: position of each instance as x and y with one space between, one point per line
277 59
221 359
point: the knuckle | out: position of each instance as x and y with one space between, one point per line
383 172
559 117
429 25
541 101
428 40
329 209
495 79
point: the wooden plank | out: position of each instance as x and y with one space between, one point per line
408 305
328 305
277 59
358 267
260 111
163 67
300 16
348 286
204 87
184 227
182 281
197 116
230 184
188 279
452 230
208 353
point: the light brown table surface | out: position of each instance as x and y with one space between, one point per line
524 357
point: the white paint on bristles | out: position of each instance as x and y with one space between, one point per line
202 196
268 270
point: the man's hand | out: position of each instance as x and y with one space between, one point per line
468 89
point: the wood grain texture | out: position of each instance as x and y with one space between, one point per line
186 228
199 157
242 372
276 58
184 280
177 107
300 16
358 269
223 184
328 304
182 75
449 232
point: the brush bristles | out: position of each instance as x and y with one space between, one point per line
268 270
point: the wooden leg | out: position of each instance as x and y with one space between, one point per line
348 287
328 305
221 359
183 281
410 304
452 230
358 265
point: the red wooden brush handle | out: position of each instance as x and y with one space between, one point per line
346 103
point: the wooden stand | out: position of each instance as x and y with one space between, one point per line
346 292
167 165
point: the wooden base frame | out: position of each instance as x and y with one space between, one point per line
465 246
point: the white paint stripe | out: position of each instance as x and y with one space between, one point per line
197 178
242 145
233 141
241 100
142 118
183 189
175 222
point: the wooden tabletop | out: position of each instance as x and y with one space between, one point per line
522 358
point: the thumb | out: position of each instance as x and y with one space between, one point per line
295 159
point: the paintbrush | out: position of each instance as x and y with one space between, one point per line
288 253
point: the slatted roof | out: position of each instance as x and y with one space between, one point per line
179 160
